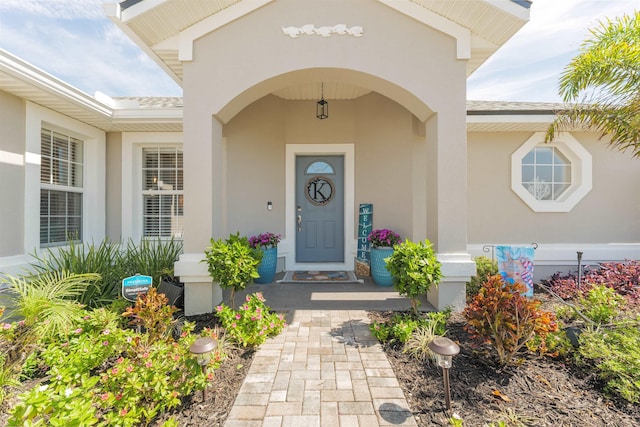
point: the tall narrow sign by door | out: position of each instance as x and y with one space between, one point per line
365 226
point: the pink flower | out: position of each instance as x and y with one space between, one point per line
104 396
238 316
210 376
129 369
78 331
105 343
148 364
123 412
106 332
114 371
233 325
6 326
145 355
219 308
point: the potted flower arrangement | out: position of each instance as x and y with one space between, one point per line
382 242
268 244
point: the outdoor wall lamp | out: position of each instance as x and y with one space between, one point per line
202 349
444 350
322 106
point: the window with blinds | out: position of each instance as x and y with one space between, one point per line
162 192
61 187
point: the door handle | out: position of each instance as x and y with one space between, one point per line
299 222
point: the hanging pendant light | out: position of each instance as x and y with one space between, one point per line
322 106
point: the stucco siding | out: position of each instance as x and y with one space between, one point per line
12 155
609 213
380 129
114 186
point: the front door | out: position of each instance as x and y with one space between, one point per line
319 209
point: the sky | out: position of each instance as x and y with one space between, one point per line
74 41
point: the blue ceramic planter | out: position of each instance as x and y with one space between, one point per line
267 267
379 272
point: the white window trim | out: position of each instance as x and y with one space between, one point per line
132 145
581 173
94 173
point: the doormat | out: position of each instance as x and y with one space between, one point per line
320 277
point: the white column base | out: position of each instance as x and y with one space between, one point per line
201 295
457 268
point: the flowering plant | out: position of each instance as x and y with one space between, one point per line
383 237
268 240
252 323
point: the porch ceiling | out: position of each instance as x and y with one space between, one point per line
155 25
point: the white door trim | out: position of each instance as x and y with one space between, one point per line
287 246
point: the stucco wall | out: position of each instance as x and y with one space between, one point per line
610 213
380 129
114 186
12 153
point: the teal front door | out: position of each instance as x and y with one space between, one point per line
319 209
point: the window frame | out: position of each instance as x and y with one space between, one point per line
131 189
581 173
66 189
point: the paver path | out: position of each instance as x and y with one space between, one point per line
325 369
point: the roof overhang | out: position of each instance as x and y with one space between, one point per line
30 83
166 29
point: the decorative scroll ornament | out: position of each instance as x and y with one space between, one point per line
324 31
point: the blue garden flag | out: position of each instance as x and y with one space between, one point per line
515 264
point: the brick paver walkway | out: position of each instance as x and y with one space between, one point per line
325 369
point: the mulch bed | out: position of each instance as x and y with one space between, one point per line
540 391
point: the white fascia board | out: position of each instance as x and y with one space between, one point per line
515 118
159 114
511 8
40 79
440 23
114 13
140 9
212 23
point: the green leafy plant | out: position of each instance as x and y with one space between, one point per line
47 301
602 304
232 263
499 314
153 258
252 323
104 259
415 269
401 327
102 374
615 356
485 267
8 376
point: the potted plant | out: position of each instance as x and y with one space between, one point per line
382 242
415 269
233 263
268 244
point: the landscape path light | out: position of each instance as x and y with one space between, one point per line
444 350
202 348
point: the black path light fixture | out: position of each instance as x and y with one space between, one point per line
202 348
322 106
444 350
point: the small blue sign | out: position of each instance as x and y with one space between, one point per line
135 285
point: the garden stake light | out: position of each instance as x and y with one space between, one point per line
579 267
202 348
445 349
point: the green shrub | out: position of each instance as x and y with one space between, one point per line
252 323
485 267
500 315
602 304
401 327
615 356
415 269
232 263
102 374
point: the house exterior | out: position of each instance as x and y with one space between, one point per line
243 149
